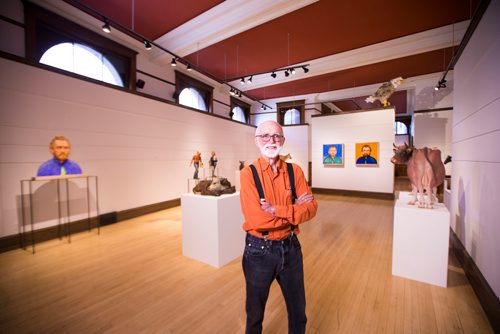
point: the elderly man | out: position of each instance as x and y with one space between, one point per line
60 147
272 215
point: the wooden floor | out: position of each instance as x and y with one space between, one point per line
133 279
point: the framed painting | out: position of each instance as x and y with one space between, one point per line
367 154
333 155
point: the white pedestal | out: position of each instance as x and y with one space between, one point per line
212 228
420 242
237 180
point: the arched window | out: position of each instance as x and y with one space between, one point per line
400 128
190 97
83 60
192 93
290 112
292 116
240 111
58 42
238 115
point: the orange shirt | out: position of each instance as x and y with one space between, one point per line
278 192
196 158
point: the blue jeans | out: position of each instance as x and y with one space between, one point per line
196 167
264 261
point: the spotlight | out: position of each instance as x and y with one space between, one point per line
250 79
140 83
147 45
262 107
189 68
231 91
441 84
239 94
173 62
106 28
292 70
286 73
273 75
305 69
242 80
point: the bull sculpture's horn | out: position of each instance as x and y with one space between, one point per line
393 145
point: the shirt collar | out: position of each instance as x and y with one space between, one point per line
58 162
264 163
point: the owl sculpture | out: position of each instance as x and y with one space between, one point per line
385 91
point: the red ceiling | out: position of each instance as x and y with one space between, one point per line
321 29
398 100
325 28
150 18
430 62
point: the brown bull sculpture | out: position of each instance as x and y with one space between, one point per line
214 187
425 171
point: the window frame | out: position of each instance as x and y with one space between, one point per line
282 107
185 81
40 21
406 120
234 102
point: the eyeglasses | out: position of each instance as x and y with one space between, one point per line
266 137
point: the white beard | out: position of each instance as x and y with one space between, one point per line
270 151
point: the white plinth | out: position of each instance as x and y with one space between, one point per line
420 242
212 228
237 185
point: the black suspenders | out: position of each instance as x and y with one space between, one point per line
260 190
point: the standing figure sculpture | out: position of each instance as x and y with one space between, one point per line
213 164
197 163
60 147
425 170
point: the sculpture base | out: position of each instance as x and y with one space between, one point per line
420 242
212 228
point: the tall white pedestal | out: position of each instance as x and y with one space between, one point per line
212 228
420 242
237 184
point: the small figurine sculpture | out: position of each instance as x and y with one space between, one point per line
214 187
60 147
385 91
197 162
213 164
425 170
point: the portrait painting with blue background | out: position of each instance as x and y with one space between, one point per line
333 154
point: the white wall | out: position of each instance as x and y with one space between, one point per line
373 126
433 129
140 148
475 188
297 144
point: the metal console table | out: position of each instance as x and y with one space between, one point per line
67 224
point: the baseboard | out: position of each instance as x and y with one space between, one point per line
353 193
15 241
485 294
